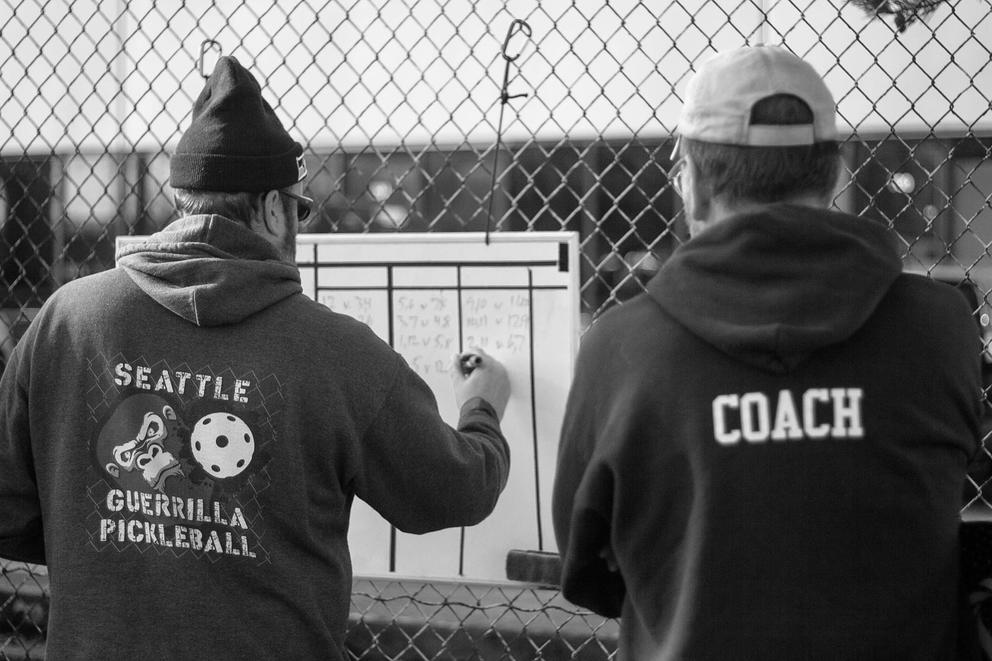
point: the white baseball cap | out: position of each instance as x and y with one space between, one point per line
719 98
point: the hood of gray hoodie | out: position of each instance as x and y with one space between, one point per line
210 270
771 287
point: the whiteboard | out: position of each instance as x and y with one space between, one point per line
430 296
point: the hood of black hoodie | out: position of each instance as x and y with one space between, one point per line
771 287
210 270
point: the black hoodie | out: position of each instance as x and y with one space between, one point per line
772 444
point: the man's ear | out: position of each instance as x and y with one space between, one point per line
698 202
274 211
265 220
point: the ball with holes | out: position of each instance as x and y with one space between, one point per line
223 444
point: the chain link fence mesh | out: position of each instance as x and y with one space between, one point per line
398 104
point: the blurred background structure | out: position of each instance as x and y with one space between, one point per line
397 104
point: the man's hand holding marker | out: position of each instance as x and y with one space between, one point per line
475 373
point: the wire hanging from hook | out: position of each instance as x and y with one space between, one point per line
517 26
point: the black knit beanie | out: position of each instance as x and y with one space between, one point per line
235 143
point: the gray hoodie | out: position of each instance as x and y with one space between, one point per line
182 439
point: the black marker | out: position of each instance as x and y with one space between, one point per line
469 362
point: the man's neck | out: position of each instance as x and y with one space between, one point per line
720 211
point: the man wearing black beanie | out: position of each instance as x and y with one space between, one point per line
182 437
236 159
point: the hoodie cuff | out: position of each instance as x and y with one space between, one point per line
474 406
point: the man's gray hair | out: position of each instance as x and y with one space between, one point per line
767 174
236 206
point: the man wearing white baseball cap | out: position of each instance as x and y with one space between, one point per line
763 455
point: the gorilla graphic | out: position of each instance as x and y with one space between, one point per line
139 443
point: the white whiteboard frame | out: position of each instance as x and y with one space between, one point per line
471 248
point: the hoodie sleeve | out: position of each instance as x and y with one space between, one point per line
21 535
419 473
582 498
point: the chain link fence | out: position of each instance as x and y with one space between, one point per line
409 125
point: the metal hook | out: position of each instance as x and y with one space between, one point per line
518 25
205 45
